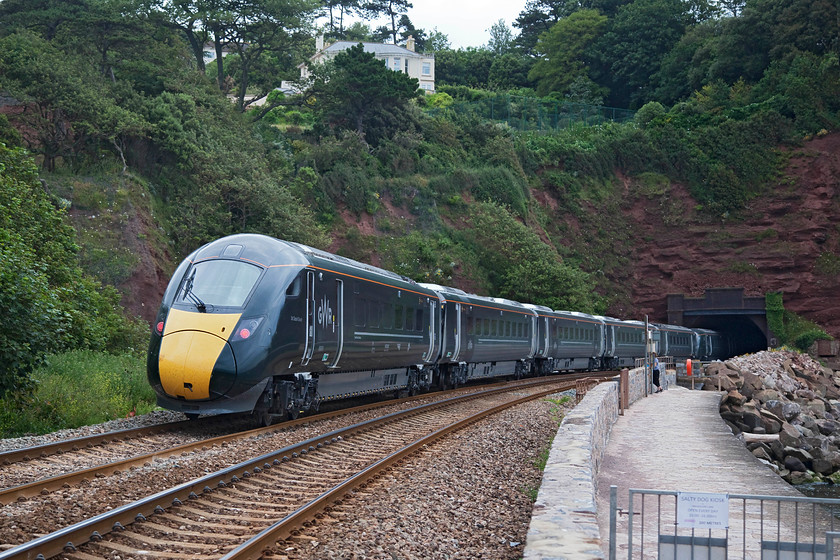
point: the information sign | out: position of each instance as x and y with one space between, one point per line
702 510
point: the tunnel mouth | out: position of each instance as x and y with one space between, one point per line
746 337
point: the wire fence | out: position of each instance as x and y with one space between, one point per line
537 114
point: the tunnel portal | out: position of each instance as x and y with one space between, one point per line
726 310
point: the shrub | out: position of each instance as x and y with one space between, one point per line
78 388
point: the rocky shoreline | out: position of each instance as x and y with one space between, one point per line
785 406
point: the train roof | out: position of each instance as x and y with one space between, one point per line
307 250
443 289
663 326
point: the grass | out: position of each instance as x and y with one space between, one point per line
557 412
75 389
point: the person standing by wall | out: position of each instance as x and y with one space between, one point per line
656 372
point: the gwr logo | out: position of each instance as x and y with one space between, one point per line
326 319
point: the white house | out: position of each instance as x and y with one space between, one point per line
395 57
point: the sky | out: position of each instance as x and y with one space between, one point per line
465 22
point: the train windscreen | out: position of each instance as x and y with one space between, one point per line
220 283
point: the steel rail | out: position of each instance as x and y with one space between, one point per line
47 485
254 548
115 520
74 444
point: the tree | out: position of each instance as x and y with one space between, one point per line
537 17
66 104
509 71
48 305
524 268
338 9
437 41
265 35
501 38
463 67
639 38
562 51
407 30
389 8
259 28
358 31
357 88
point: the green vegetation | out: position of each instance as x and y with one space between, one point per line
790 328
78 388
508 181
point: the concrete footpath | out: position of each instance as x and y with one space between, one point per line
677 441
673 441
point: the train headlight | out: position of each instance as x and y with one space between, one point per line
246 328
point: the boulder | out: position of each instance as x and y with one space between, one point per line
799 454
789 436
765 395
777 450
827 427
751 382
761 453
816 407
794 464
725 383
752 417
733 398
784 410
823 466
770 423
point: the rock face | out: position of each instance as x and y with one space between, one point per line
785 241
786 408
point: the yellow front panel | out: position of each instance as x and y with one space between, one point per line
192 342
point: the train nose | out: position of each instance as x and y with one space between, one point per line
194 350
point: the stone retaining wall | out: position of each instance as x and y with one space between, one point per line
564 523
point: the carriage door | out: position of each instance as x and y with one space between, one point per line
547 340
457 351
535 333
324 319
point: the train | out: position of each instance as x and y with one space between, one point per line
250 323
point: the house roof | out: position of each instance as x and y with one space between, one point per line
375 48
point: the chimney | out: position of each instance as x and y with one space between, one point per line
319 43
409 43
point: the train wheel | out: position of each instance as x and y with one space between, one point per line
267 419
293 413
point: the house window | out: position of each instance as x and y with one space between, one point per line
397 64
427 68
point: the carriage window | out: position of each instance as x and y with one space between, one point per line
418 320
507 328
493 327
398 317
486 330
360 313
374 313
387 315
294 288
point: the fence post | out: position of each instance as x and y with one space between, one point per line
624 391
613 516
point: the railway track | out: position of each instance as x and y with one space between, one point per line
220 514
71 462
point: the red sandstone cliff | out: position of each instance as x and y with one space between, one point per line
789 242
